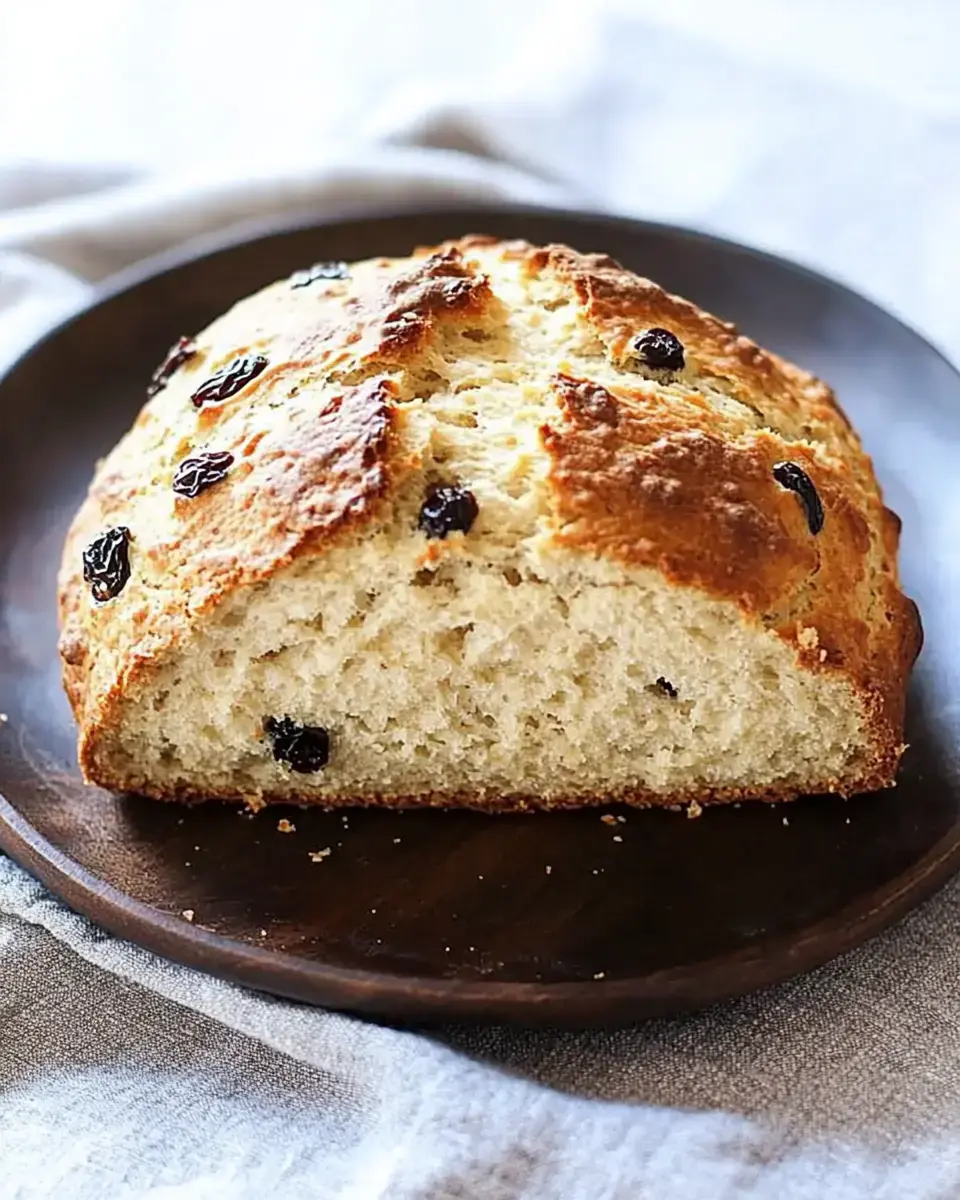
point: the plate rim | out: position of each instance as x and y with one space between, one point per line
606 1001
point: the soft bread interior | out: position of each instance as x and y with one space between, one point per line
477 680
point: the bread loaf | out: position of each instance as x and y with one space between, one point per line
491 525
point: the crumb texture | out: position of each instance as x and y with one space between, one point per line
627 604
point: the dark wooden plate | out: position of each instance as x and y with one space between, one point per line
435 915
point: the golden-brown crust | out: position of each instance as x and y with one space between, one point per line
619 304
391 316
646 474
880 775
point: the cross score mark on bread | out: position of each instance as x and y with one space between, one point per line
508 526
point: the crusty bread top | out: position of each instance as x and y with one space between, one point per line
669 470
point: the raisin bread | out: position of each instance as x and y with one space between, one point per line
494 525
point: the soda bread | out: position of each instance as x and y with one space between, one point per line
493 525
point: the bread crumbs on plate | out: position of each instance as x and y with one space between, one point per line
319 855
600 975
188 914
285 826
693 810
608 819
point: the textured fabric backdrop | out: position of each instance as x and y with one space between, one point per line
819 134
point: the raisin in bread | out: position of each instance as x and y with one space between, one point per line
495 525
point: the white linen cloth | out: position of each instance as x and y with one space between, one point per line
829 132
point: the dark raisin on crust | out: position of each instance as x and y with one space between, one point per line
447 508
229 379
795 479
106 563
182 350
661 349
665 686
322 270
306 748
194 475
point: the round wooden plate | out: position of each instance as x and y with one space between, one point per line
434 915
